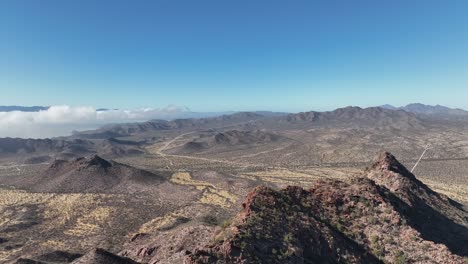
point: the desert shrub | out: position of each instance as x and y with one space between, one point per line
226 223
288 238
209 220
373 220
377 249
400 257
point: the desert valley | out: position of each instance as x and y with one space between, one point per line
249 187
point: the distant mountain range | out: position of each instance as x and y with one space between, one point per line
428 109
417 108
387 116
11 108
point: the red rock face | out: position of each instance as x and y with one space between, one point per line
365 220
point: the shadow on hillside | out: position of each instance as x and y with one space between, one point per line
432 225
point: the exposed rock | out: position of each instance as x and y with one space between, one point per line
436 216
168 247
342 222
277 227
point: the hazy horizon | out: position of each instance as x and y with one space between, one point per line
153 59
62 120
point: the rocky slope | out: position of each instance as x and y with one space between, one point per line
360 221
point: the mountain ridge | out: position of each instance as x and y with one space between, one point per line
419 108
351 218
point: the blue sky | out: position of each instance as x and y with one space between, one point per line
233 55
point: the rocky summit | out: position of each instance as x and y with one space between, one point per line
374 218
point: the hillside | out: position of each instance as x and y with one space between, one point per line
89 175
228 140
43 150
359 221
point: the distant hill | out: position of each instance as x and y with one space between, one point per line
43 150
90 174
353 117
229 139
429 109
11 108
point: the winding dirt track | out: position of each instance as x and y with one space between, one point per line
160 151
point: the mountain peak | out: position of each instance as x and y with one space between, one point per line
387 162
387 171
98 161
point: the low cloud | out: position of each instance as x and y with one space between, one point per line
62 120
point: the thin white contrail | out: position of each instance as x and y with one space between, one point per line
420 158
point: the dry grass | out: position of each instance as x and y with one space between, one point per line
5 255
93 223
218 197
17 197
210 193
161 222
303 177
458 192
69 222
184 178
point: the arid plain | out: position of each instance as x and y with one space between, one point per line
206 169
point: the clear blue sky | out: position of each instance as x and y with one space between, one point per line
233 55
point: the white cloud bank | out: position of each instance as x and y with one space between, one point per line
62 120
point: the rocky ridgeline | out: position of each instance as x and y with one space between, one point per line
386 216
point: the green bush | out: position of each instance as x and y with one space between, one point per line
400 257
209 220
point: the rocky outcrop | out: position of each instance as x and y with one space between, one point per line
364 220
279 227
434 215
170 246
